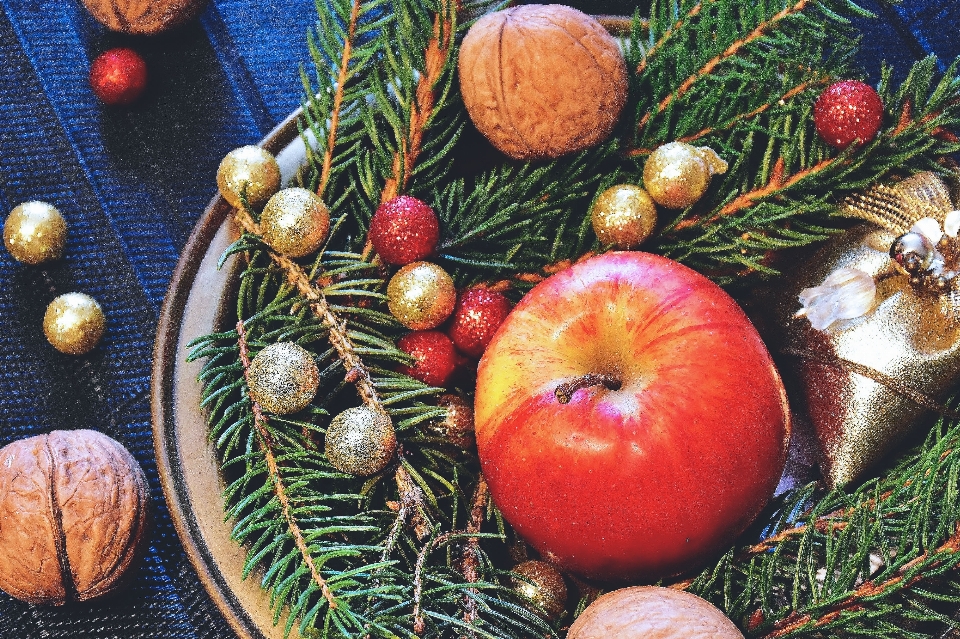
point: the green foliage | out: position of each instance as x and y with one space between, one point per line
414 550
812 575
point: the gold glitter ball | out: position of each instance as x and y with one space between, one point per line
421 295
360 441
295 222
250 167
624 215
542 584
677 174
283 378
458 425
74 323
35 232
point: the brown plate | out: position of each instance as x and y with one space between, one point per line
185 458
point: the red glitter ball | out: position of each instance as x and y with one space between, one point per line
848 111
476 317
404 230
434 357
118 76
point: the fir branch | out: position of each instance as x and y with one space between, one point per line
335 112
668 33
437 57
266 444
338 333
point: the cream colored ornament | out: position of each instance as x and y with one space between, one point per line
360 441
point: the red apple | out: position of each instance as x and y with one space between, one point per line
653 475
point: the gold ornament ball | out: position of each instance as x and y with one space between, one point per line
283 378
74 323
677 174
624 215
250 167
542 584
421 295
360 441
458 425
35 232
652 612
295 222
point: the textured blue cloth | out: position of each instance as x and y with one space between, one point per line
131 183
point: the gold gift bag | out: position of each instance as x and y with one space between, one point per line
865 382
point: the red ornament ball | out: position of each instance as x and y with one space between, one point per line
848 111
118 76
404 230
434 357
476 317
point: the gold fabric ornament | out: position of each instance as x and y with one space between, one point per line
295 222
542 584
360 441
74 323
623 216
865 382
677 174
252 168
283 378
35 232
421 295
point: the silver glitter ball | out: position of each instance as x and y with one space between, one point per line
360 441
283 378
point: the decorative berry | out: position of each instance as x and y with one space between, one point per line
404 230
118 76
434 356
476 317
848 111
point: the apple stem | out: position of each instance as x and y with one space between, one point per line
564 392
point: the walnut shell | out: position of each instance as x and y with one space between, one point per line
73 515
143 17
651 612
541 81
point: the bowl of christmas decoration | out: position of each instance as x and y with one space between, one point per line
460 349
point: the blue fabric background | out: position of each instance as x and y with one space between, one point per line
131 183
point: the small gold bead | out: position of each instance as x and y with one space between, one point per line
295 222
74 323
35 232
252 168
624 215
543 585
421 295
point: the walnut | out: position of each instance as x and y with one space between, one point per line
73 515
540 81
143 17
651 612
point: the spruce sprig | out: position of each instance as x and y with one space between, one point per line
416 550
875 561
